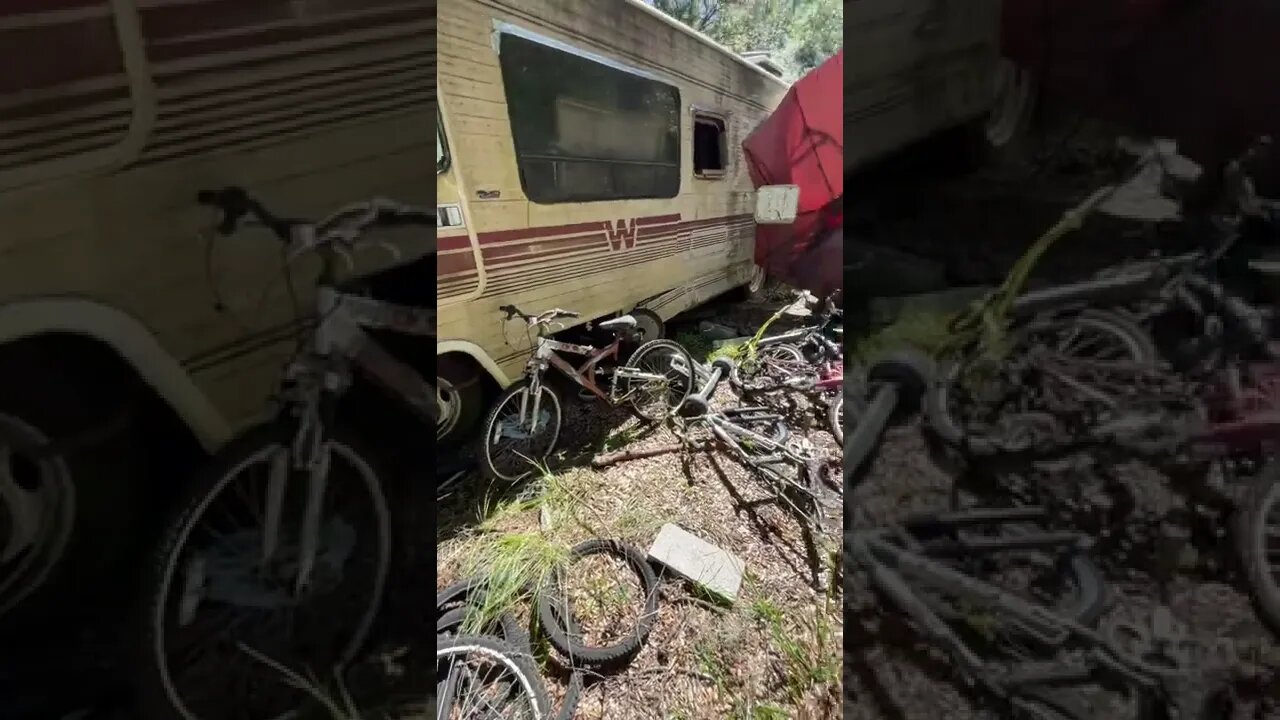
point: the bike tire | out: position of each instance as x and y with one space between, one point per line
451 609
1261 500
154 696
574 687
937 398
490 422
835 409
747 387
654 346
519 664
569 643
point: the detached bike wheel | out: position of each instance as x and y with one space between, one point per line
567 639
516 437
455 603
766 371
656 379
223 602
480 677
1257 535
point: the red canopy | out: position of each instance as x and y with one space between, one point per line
802 143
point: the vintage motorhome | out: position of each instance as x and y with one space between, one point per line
110 298
924 66
588 159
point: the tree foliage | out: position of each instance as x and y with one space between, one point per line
799 34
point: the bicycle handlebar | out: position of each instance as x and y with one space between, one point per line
344 225
541 318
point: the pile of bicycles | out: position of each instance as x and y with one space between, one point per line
661 382
1160 360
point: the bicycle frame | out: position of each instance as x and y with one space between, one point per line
732 436
318 376
547 354
895 569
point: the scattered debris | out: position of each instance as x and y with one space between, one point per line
712 569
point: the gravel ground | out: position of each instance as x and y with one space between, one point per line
889 673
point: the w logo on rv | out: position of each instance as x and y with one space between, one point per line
622 235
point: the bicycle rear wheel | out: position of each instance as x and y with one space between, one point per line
656 379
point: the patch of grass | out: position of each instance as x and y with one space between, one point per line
512 566
768 712
698 345
728 350
809 660
638 521
713 666
620 438
924 331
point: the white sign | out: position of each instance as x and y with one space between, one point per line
776 204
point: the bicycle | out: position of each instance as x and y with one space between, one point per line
1038 662
529 405
284 536
483 677
775 358
760 439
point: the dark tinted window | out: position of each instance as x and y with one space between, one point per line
586 131
708 146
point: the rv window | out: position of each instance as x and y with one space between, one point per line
442 150
586 131
710 149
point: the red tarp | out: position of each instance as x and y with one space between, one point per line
802 143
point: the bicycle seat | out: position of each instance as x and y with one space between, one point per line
625 321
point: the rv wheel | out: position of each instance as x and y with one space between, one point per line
648 322
460 397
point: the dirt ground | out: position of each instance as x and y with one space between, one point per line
775 653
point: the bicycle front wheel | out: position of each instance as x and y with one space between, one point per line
226 593
771 365
521 431
482 677
656 380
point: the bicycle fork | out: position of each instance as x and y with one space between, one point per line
535 389
308 456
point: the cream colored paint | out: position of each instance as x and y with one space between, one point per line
141 120
110 246
478 135
131 341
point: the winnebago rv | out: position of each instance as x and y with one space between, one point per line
588 159
121 319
